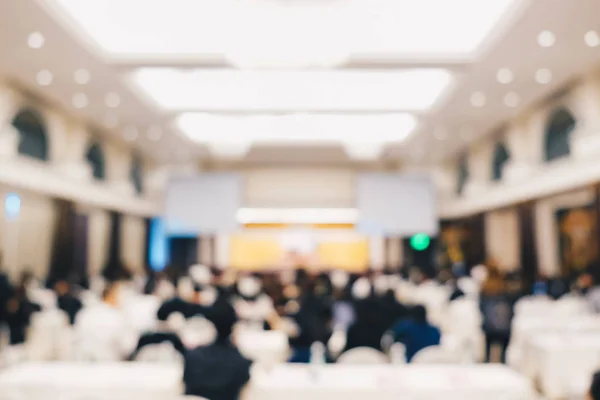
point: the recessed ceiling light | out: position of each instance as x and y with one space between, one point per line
504 76
546 39
154 133
36 40
131 133
466 133
512 99
440 134
592 39
478 99
543 76
112 100
82 76
111 121
44 77
80 100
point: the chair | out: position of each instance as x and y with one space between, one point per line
160 353
363 356
198 331
436 355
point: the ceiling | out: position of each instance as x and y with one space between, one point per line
290 81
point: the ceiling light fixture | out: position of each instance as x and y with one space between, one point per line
36 40
546 39
82 76
504 76
80 100
131 133
154 133
44 77
543 76
478 99
592 39
275 33
512 99
352 129
112 100
292 90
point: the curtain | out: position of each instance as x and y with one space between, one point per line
115 269
80 274
63 243
147 230
529 255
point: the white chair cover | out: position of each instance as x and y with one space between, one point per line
160 353
198 331
49 336
363 356
436 355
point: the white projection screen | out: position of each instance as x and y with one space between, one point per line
394 204
205 203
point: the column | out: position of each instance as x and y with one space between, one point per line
480 168
585 105
10 103
118 165
524 140
529 256
68 145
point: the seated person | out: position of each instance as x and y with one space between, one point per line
217 371
19 310
103 332
416 333
367 329
594 392
67 301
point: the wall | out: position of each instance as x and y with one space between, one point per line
526 176
299 187
27 240
554 185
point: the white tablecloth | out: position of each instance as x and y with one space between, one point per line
73 381
263 346
564 363
412 382
527 330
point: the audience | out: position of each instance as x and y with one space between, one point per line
416 333
217 371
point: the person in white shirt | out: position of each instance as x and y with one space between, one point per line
102 331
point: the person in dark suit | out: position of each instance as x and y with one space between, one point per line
19 310
67 301
217 371
368 328
416 333
594 392
6 292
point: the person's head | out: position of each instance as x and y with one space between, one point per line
594 392
494 282
223 317
110 295
420 314
61 288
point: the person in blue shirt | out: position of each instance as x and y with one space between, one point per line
415 333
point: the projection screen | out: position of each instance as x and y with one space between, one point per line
205 203
394 204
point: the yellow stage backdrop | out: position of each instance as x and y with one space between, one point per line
250 252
